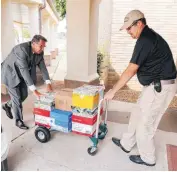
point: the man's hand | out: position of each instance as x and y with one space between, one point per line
37 94
109 95
49 88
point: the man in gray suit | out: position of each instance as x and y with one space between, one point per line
18 73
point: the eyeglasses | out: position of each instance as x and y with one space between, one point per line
134 23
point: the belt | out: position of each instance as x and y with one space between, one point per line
166 82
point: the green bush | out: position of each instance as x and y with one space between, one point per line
25 33
102 65
61 7
100 59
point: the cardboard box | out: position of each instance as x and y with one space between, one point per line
91 120
85 97
62 128
46 100
83 129
84 120
49 103
43 120
41 112
85 112
61 120
43 125
60 115
63 99
99 88
43 106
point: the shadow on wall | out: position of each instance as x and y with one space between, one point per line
113 77
105 70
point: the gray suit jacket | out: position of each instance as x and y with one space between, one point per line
19 64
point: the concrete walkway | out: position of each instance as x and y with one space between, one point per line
69 152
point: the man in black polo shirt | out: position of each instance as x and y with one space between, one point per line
154 65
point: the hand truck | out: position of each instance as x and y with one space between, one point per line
101 129
42 132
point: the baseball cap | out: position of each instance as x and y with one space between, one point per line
131 17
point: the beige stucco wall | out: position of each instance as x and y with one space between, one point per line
104 27
104 36
33 19
93 36
7 32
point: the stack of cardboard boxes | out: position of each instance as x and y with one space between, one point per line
48 116
85 101
42 109
70 110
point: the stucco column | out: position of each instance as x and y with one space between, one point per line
56 43
47 34
52 35
82 36
53 40
34 19
7 29
104 37
18 24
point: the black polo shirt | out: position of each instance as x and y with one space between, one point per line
154 57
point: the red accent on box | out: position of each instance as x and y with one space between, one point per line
43 125
41 112
83 134
85 120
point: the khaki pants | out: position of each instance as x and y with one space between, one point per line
145 119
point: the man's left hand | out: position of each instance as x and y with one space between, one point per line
49 88
109 95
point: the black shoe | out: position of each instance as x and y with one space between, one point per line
21 125
117 142
137 159
8 110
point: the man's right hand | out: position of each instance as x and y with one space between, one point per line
37 94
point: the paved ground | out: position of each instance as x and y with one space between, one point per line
69 152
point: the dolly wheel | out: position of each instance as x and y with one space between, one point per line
92 150
42 134
101 135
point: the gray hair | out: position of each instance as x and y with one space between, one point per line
37 38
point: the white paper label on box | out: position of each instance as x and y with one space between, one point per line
60 128
44 120
83 128
85 115
43 106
